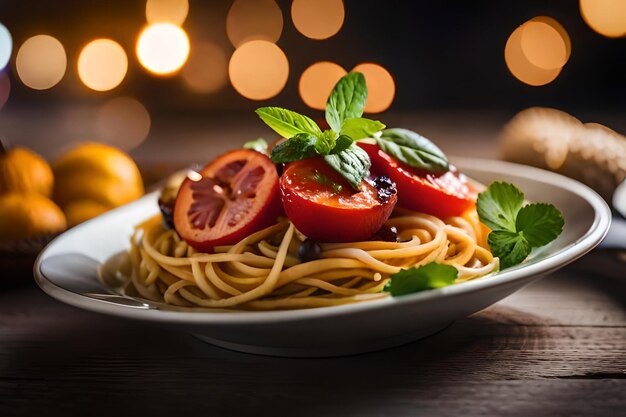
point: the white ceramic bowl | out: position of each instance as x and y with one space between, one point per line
68 271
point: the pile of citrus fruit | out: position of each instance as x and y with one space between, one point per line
37 199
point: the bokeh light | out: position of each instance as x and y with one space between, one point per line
559 28
163 48
6 46
41 62
207 68
381 88
102 64
123 122
249 20
317 81
258 70
521 67
543 45
318 19
607 17
5 88
167 11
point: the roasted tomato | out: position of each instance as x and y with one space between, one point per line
442 195
233 196
323 206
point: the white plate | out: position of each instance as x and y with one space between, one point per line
67 270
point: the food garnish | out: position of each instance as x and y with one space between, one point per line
442 192
323 206
516 228
230 198
386 234
311 224
413 149
309 250
426 277
305 139
323 187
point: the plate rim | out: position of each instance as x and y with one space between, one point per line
572 251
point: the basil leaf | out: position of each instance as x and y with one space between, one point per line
498 206
300 146
353 164
360 127
347 100
287 123
425 277
259 145
413 149
343 143
540 223
325 142
512 248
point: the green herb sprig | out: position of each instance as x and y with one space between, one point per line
413 149
306 139
426 277
516 228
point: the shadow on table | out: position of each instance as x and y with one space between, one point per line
606 271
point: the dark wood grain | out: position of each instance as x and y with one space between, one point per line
558 347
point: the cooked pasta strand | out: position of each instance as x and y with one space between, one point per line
262 272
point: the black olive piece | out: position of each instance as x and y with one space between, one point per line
386 234
309 250
167 210
385 187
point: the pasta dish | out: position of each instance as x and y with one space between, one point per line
352 213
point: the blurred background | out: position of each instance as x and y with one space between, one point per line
140 75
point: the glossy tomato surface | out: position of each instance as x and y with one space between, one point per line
442 195
324 207
232 197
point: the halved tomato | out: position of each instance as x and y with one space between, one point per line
324 207
233 196
442 195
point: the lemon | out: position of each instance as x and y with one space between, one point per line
102 174
79 211
29 215
22 170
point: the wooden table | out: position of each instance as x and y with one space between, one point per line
557 347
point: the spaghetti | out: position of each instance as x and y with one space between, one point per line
263 271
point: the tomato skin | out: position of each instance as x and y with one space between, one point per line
326 215
256 211
441 195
